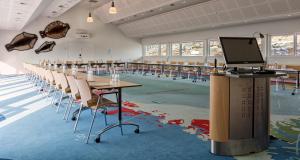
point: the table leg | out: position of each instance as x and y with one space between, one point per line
120 123
297 83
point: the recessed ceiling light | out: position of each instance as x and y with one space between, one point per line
22 3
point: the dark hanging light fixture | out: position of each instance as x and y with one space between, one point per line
90 19
113 9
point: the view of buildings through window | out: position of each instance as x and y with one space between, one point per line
152 50
163 50
282 45
279 45
298 45
193 49
175 49
215 48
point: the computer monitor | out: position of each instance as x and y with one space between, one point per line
241 52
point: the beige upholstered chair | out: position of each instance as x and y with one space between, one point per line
65 89
90 101
57 87
75 95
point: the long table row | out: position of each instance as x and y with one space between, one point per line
196 72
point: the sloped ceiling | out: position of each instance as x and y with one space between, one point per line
203 15
15 14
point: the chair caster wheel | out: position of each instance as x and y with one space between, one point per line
137 131
97 140
73 118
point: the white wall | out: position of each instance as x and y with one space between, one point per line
103 38
277 27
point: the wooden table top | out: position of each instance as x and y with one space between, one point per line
100 82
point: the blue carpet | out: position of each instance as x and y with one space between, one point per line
43 134
2 117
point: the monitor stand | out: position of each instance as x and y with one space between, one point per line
237 70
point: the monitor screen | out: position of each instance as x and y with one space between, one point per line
241 50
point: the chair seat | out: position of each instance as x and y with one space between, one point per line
93 103
104 91
77 96
68 90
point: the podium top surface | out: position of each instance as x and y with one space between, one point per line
255 75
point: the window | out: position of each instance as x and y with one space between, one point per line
152 50
175 49
298 45
215 48
163 50
282 45
193 48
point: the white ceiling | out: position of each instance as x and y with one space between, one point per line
15 14
142 18
58 7
127 8
214 13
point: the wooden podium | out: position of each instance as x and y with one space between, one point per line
239 113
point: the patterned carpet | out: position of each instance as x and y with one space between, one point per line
173 116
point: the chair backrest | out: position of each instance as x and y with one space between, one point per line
73 86
56 79
63 81
199 63
50 77
84 90
191 63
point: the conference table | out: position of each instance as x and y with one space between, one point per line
162 66
104 83
291 71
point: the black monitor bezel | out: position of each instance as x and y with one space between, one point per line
253 39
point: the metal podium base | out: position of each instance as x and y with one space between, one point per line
239 147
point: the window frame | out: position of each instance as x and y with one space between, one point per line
167 52
145 50
171 49
208 48
181 48
296 44
270 45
